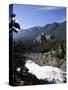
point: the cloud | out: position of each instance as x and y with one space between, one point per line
62 20
50 8
19 23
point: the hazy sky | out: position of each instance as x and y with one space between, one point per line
31 15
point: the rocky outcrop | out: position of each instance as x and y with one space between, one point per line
48 58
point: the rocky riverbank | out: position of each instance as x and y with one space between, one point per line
48 58
42 59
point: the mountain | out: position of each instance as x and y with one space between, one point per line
58 29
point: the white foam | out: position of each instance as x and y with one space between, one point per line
18 69
49 73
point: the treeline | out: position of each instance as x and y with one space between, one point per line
30 46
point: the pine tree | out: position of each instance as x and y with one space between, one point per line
13 25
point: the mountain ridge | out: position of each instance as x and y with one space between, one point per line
58 29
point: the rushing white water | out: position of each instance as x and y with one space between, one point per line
18 69
48 73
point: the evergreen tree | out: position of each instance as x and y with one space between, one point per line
13 24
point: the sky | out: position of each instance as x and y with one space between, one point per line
35 15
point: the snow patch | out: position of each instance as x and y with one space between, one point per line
15 29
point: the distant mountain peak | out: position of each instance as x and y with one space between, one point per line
58 29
